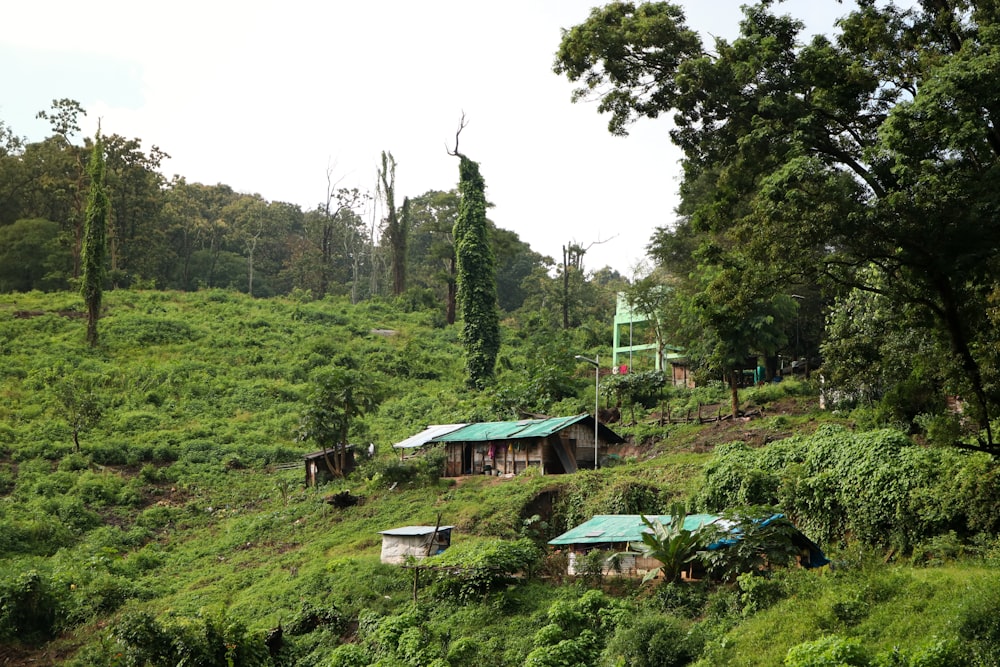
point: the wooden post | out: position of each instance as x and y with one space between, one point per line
430 545
416 581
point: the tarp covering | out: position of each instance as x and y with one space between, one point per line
430 434
398 544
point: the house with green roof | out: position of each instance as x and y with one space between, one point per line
620 533
555 445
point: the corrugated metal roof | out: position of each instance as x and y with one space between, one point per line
414 530
524 428
485 431
430 434
623 528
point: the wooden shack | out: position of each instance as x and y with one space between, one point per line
416 541
555 445
317 470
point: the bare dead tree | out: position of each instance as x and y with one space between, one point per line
461 126
573 254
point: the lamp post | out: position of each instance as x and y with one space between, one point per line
596 363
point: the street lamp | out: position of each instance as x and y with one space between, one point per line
596 363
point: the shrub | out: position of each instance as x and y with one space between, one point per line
653 641
758 593
213 640
876 486
831 651
30 610
478 568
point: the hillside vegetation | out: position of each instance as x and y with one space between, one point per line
146 516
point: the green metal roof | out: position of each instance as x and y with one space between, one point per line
525 428
623 528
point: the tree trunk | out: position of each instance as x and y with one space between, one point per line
734 393
565 294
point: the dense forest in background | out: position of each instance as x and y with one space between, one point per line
175 235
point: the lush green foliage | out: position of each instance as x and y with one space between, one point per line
171 532
877 487
861 160
673 545
468 572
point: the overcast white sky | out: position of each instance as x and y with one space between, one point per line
264 96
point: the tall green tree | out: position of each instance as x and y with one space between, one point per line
879 149
95 240
476 275
32 257
135 187
431 251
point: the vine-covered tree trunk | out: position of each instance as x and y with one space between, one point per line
95 241
476 276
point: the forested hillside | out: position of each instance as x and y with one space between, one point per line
147 519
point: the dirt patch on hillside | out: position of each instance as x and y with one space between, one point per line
757 426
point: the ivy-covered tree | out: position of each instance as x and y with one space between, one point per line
95 242
476 276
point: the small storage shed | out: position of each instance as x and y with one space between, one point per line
317 470
416 541
557 445
618 532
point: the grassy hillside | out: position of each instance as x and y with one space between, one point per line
175 531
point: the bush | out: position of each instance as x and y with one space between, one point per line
876 486
213 640
758 593
477 568
30 610
831 651
653 641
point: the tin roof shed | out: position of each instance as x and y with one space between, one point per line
524 428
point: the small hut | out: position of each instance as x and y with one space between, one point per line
317 470
416 541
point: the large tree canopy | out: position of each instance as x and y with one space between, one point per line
875 149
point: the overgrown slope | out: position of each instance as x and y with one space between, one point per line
175 531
